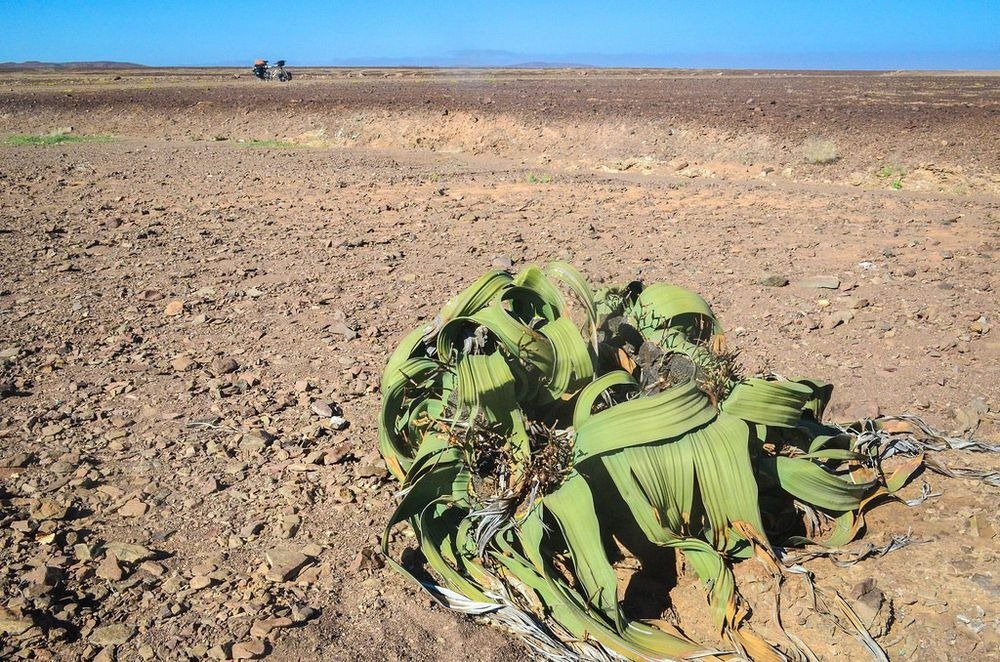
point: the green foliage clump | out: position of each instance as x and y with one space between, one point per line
535 420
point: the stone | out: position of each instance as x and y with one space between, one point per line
153 568
367 559
133 508
774 281
182 363
321 408
262 628
218 652
303 614
251 649
43 575
110 569
284 564
837 318
12 624
819 282
502 262
112 635
288 526
224 366
969 417
251 529
174 308
199 582
338 422
129 552
256 440
342 329
44 509
371 469
210 486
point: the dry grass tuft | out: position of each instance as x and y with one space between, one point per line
819 151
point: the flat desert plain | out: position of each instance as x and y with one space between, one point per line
208 261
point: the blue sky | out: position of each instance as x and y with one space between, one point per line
886 34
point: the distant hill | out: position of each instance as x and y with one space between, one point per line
547 65
101 64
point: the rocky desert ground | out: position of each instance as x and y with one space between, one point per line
197 297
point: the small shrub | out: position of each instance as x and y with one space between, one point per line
895 173
272 144
21 140
819 151
539 179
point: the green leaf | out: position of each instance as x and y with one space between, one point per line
667 414
777 403
811 484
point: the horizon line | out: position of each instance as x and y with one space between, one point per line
528 64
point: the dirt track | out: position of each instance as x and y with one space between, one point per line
192 434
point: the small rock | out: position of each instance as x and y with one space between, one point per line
366 559
284 563
112 635
322 409
969 417
174 308
502 262
980 326
370 469
303 614
224 366
342 329
251 529
199 582
153 568
133 508
110 569
182 363
251 649
262 628
45 509
256 440
338 422
13 624
774 281
128 552
218 652
837 318
210 486
289 526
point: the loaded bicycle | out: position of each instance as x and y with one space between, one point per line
278 72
